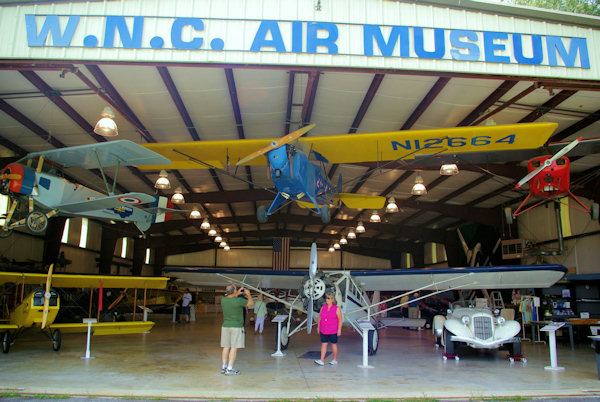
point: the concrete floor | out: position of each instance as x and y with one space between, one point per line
183 361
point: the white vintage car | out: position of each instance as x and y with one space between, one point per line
478 328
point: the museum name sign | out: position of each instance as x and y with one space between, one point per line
302 37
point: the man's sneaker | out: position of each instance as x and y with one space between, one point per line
319 362
333 362
232 371
223 370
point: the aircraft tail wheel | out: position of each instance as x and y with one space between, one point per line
325 214
261 214
285 339
449 347
508 215
56 340
373 341
36 222
6 342
595 211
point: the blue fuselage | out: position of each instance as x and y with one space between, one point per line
295 175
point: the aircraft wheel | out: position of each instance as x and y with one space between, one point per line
56 340
325 214
373 341
6 342
285 339
36 222
595 211
448 344
508 215
261 214
4 233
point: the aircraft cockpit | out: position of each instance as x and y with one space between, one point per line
38 298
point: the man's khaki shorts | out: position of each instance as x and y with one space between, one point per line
232 338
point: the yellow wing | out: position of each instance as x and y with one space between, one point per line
370 147
361 200
85 281
106 328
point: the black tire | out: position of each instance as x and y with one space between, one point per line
514 349
325 214
373 341
36 222
449 346
285 339
56 340
261 214
6 342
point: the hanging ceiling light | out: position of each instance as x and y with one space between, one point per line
351 234
375 217
205 224
218 239
336 245
449 169
391 206
343 241
162 182
106 126
360 228
226 248
177 197
195 214
223 243
212 232
419 188
331 249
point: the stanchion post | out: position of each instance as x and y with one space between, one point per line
89 322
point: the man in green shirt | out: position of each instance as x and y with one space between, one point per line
232 331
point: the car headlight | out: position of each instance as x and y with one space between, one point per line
501 320
465 319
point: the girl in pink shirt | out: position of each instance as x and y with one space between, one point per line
330 327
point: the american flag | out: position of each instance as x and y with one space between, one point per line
281 253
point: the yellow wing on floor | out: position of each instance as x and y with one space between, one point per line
106 328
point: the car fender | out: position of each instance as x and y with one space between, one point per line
456 327
509 330
438 325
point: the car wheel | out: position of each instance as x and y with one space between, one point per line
56 340
373 341
6 342
285 339
514 349
449 346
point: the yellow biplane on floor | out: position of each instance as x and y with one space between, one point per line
40 307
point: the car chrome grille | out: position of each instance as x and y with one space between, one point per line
482 327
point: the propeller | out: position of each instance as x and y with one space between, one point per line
10 176
312 273
548 162
47 296
277 143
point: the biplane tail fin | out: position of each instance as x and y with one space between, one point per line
363 201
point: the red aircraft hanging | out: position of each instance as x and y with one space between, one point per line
549 179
